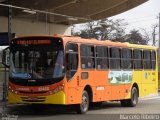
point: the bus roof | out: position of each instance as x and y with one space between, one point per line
110 43
95 41
142 46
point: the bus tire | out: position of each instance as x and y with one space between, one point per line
83 107
96 104
124 103
134 98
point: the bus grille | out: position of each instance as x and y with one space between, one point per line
33 99
32 92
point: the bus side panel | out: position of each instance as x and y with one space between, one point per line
73 90
118 92
101 93
121 83
154 82
137 79
74 95
102 89
149 83
100 78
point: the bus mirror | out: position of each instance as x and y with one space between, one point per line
6 57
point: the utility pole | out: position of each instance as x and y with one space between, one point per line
159 31
159 45
5 85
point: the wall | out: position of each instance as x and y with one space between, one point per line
32 27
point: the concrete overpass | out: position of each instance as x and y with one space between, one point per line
69 12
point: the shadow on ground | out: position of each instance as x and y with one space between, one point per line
45 110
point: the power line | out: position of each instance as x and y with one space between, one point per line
159 31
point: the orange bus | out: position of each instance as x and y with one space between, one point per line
68 70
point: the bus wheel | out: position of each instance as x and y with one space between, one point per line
83 107
124 103
134 98
96 104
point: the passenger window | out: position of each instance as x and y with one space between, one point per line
147 59
114 59
87 57
137 59
126 60
102 57
153 59
71 60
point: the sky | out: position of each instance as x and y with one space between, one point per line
142 16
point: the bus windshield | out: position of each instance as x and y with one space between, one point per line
36 64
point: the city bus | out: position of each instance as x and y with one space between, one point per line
68 70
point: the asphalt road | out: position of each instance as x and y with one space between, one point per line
148 108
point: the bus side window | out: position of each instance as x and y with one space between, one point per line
153 59
126 61
102 57
71 60
114 60
87 57
137 59
147 59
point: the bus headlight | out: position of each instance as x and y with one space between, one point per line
13 91
57 89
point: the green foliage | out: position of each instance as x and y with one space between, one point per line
104 30
135 37
109 29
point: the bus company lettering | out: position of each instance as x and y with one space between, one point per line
100 88
43 88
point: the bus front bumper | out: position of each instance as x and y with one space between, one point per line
57 98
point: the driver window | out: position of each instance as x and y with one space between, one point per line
71 60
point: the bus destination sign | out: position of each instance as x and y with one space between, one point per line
33 42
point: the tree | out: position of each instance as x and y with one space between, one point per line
104 29
109 29
154 27
152 35
135 37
